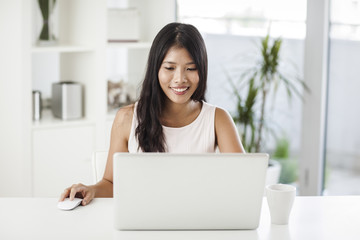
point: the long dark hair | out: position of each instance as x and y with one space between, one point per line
149 131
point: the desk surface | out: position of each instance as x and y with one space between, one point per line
311 218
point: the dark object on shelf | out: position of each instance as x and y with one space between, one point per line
67 100
47 35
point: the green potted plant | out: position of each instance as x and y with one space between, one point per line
252 94
281 154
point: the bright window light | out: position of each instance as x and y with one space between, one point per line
345 19
246 17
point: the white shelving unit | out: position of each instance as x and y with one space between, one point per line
62 49
48 155
61 150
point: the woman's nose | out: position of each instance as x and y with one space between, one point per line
180 76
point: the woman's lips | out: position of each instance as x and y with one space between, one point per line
179 90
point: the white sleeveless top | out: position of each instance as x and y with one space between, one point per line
197 137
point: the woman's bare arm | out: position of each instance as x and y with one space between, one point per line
118 143
227 137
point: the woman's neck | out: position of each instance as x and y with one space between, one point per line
179 115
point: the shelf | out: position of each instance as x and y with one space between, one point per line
130 45
49 121
61 49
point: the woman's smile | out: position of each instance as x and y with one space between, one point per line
180 90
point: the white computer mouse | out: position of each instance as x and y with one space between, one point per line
69 205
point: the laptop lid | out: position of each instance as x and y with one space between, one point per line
162 191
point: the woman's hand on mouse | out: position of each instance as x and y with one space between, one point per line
87 193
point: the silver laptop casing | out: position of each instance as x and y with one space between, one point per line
162 191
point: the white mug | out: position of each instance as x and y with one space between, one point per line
280 198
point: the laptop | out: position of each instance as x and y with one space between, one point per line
164 191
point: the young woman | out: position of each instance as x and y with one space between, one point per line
171 114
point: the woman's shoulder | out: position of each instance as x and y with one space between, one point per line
124 115
222 115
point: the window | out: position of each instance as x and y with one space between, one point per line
345 19
342 174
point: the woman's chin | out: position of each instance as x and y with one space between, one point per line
179 99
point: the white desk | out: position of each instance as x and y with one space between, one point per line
311 218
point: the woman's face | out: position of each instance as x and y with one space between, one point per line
178 75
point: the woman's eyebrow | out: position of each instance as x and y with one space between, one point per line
170 62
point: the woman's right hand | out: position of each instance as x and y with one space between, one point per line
87 193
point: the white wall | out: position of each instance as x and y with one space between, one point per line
14 118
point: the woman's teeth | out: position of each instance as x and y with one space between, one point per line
179 89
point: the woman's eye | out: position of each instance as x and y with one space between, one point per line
191 69
169 68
